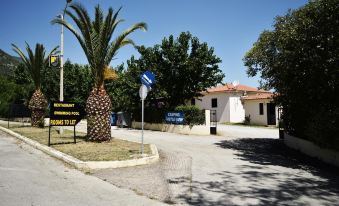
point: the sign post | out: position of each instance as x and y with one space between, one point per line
54 60
64 114
147 79
143 94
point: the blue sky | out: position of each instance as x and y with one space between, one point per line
230 26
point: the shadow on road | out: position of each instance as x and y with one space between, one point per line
292 178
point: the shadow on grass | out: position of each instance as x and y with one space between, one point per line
71 140
61 143
271 174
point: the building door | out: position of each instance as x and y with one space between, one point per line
271 114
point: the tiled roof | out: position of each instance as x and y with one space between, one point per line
230 88
261 95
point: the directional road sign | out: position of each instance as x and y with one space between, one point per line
147 78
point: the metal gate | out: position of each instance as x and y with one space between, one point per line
213 122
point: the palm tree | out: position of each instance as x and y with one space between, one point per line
95 37
34 63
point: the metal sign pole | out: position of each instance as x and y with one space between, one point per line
142 126
61 97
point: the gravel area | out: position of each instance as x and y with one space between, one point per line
164 180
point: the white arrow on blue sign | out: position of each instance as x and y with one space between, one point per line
147 78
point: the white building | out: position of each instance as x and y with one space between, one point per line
230 103
260 109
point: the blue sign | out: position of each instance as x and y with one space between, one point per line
174 117
147 78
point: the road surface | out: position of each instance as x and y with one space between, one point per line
30 177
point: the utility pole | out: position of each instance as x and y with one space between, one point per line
62 62
61 97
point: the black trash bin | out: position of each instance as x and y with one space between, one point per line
113 119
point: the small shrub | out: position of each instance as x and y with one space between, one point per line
247 120
192 115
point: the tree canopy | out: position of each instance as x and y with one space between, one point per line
183 67
299 58
35 62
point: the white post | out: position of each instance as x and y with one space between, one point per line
62 62
61 98
142 94
142 126
208 118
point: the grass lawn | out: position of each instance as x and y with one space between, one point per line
115 149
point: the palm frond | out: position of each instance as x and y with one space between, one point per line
95 36
54 51
34 61
17 50
79 37
117 43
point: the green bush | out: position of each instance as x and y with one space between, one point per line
192 115
9 93
247 120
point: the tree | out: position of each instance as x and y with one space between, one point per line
34 64
95 39
24 82
184 68
79 82
9 93
299 58
123 91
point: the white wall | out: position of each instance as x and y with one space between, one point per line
252 108
229 109
237 111
327 155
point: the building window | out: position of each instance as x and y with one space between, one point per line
193 101
214 102
261 108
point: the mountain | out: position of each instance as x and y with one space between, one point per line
8 64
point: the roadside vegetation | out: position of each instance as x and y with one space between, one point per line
34 63
184 66
299 59
95 37
84 150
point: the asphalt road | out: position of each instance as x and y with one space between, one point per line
30 177
250 167
245 166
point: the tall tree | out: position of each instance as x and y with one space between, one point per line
299 58
184 67
34 63
95 37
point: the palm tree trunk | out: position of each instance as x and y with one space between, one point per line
98 108
37 105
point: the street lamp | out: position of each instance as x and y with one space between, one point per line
61 97
62 54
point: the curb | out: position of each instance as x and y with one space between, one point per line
87 165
